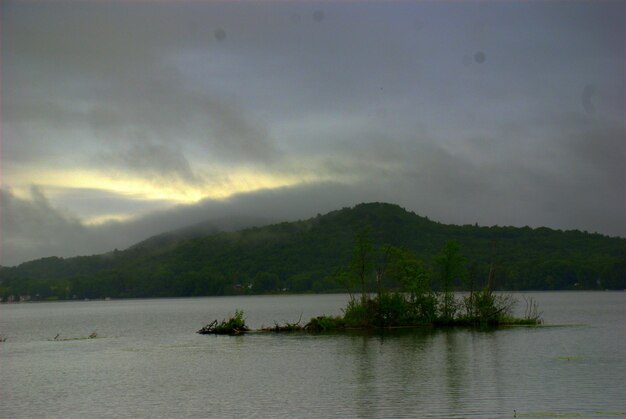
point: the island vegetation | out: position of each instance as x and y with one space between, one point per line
312 255
235 325
413 302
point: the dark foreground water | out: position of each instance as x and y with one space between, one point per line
150 363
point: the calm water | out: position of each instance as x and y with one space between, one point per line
150 363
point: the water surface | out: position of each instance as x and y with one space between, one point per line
149 362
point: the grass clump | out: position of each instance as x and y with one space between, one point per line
235 325
285 327
385 310
325 324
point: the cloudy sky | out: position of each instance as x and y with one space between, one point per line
123 119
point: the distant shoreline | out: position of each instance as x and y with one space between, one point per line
286 294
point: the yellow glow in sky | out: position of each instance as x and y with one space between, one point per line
238 180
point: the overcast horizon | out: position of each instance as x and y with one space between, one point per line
126 119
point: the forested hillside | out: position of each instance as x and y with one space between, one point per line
312 255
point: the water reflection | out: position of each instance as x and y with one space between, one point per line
426 370
453 366
393 370
152 364
362 348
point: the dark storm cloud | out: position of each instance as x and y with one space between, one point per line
102 72
490 112
32 228
170 112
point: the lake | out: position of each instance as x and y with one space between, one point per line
148 362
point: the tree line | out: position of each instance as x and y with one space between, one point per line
311 256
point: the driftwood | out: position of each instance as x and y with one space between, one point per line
287 327
58 337
236 326
215 328
208 329
283 328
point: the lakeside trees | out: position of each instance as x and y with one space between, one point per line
413 301
314 256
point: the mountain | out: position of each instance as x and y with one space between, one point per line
205 228
304 256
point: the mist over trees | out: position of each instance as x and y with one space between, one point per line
312 256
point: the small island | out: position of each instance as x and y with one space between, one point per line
413 302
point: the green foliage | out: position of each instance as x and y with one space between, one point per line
416 304
265 282
415 279
359 314
450 262
325 324
388 309
393 310
450 265
316 254
362 259
486 307
425 307
233 326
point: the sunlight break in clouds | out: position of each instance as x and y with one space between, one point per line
140 117
239 180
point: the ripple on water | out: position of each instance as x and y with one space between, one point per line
153 364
